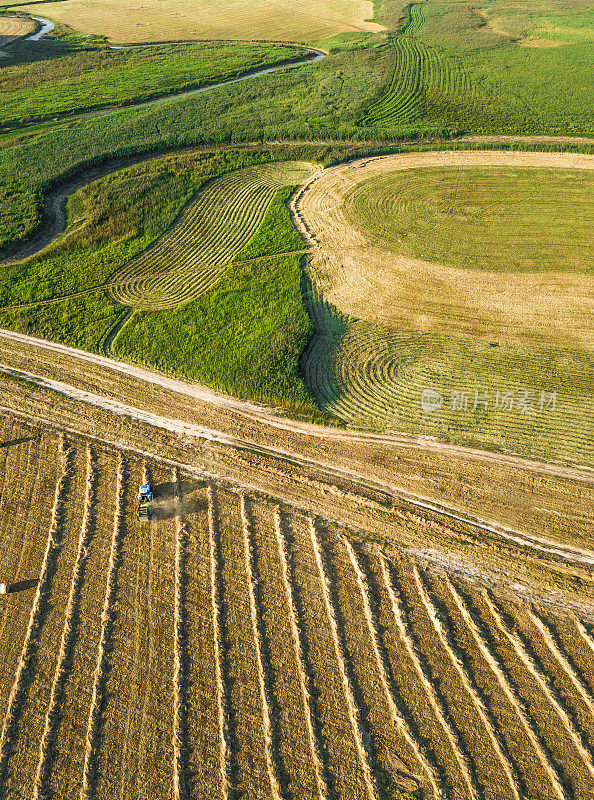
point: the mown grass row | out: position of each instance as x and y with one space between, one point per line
198 248
418 70
316 663
373 377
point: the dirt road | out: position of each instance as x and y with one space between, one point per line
270 418
540 545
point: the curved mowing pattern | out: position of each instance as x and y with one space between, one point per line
201 244
372 377
418 69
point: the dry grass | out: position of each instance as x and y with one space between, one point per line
13 27
403 642
369 282
41 787
105 642
215 599
232 645
304 20
21 720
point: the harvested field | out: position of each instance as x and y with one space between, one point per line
201 244
390 326
237 645
304 20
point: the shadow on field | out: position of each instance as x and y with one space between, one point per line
35 3
22 585
22 440
165 502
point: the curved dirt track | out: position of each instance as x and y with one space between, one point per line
268 417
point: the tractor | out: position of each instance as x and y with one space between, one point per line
145 495
144 511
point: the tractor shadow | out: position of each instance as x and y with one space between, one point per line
22 440
22 585
165 505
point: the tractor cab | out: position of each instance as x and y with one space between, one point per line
145 493
144 512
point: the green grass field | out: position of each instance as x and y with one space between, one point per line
244 335
82 79
496 218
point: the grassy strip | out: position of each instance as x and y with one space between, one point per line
68 82
243 336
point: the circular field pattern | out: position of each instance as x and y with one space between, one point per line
503 398
509 355
491 218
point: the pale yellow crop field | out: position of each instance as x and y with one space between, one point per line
155 20
13 27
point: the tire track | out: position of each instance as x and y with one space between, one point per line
42 790
265 691
354 716
397 718
17 693
93 741
305 679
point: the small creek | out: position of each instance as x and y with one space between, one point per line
53 213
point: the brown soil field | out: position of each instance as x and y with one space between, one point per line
238 643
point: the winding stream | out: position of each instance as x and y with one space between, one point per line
46 26
53 211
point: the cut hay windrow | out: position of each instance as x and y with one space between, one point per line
418 70
462 670
585 635
17 693
576 680
216 614
435 701
544 684
510 692
353 711
200 245
398 720
181 787
93 740
271 764
42 789
304 678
